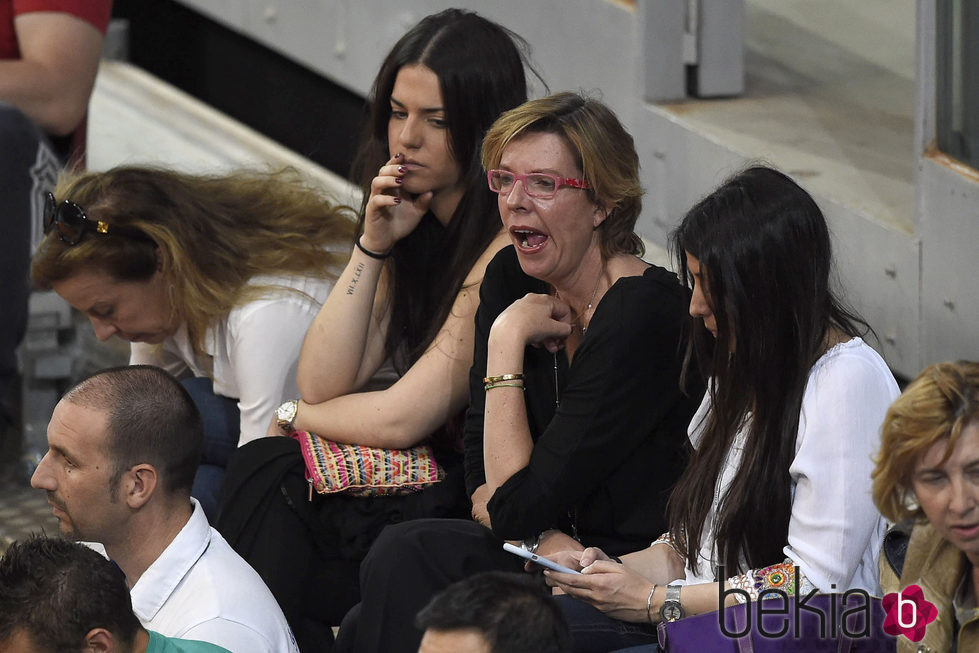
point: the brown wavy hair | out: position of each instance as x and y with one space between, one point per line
209 234
937 405
603 150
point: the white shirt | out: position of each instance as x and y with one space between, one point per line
199 588
835 531
253 354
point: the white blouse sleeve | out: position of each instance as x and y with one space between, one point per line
264 346
834 524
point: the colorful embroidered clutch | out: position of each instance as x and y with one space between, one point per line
366 471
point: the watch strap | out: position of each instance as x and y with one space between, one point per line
672 609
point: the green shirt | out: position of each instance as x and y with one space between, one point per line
160 644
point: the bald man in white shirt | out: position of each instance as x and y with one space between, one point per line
123 447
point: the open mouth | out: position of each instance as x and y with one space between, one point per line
528 239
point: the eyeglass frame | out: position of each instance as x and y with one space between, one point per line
559 182
53 215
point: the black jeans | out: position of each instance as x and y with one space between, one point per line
28 168
592 631
408 565
309 551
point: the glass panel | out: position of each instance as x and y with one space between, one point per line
957 82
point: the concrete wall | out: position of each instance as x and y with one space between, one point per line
949 234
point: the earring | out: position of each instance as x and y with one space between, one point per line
911 501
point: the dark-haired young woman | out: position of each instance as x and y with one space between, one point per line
429 227
385 362
779 482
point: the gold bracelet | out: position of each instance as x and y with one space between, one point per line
499 384
503 377
649 605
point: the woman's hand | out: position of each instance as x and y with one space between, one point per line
534 319
615 589
592 554
561 548
391 214
480 499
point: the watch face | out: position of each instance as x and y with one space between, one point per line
286 412
672 612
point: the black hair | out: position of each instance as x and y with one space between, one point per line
480 67
58 591
513 612
765 256
151 419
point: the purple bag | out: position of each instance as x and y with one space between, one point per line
830 623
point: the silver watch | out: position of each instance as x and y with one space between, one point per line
531 543
671 610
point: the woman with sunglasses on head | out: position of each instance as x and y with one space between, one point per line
927 482
575 429
215 278
779 483
385 362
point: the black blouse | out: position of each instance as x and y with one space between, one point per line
605 460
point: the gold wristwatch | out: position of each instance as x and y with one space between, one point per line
285 416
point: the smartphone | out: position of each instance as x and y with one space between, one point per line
533 557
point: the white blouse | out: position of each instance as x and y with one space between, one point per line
253 354
835 531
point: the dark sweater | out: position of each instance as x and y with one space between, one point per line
606 459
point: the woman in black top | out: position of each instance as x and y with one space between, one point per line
576 426
600 427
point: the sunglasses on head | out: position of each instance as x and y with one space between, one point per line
73 223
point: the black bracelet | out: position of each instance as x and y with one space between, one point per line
379 257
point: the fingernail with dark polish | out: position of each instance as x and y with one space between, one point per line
399 180
402 169
397 200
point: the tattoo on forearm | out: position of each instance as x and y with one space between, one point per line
355 280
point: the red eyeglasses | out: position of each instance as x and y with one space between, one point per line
537 184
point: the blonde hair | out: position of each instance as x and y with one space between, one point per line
603 150
937 405
209 235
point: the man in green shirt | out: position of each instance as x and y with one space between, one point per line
59 596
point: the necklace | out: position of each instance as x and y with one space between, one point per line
557 393
591 302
